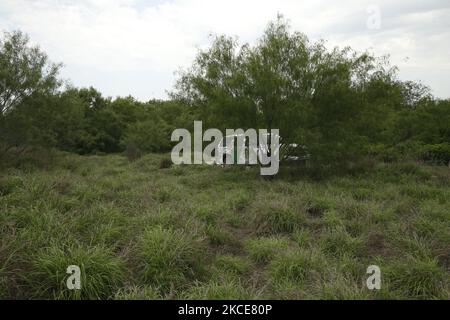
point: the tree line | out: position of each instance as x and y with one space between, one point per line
340 104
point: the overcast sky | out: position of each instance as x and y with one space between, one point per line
124 47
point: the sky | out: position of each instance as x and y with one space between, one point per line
136 47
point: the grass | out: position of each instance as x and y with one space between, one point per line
263 250
101 272
148 230
168 257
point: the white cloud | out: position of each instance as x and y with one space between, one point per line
134 46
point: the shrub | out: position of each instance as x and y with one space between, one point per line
151 135
401 151
436 153
28 158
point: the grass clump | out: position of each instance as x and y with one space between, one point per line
228 289
316 207
343 288
278 220
219 236
418 279
302 236
295 266
169 257
101 272
138 293
232 264
337 242
263 250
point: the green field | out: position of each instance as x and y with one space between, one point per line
142 231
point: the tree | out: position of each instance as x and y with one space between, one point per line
150 135
24 71
316 97
27 81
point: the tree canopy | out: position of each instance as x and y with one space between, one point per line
338 103
332 101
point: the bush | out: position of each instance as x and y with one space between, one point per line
401 151
28 158
436 153
152 135
383 153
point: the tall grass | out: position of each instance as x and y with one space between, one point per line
147 230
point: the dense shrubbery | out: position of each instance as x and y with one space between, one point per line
437 153
36 111
340 104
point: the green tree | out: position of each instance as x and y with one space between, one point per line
316 97
150 135
25 70
27 80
